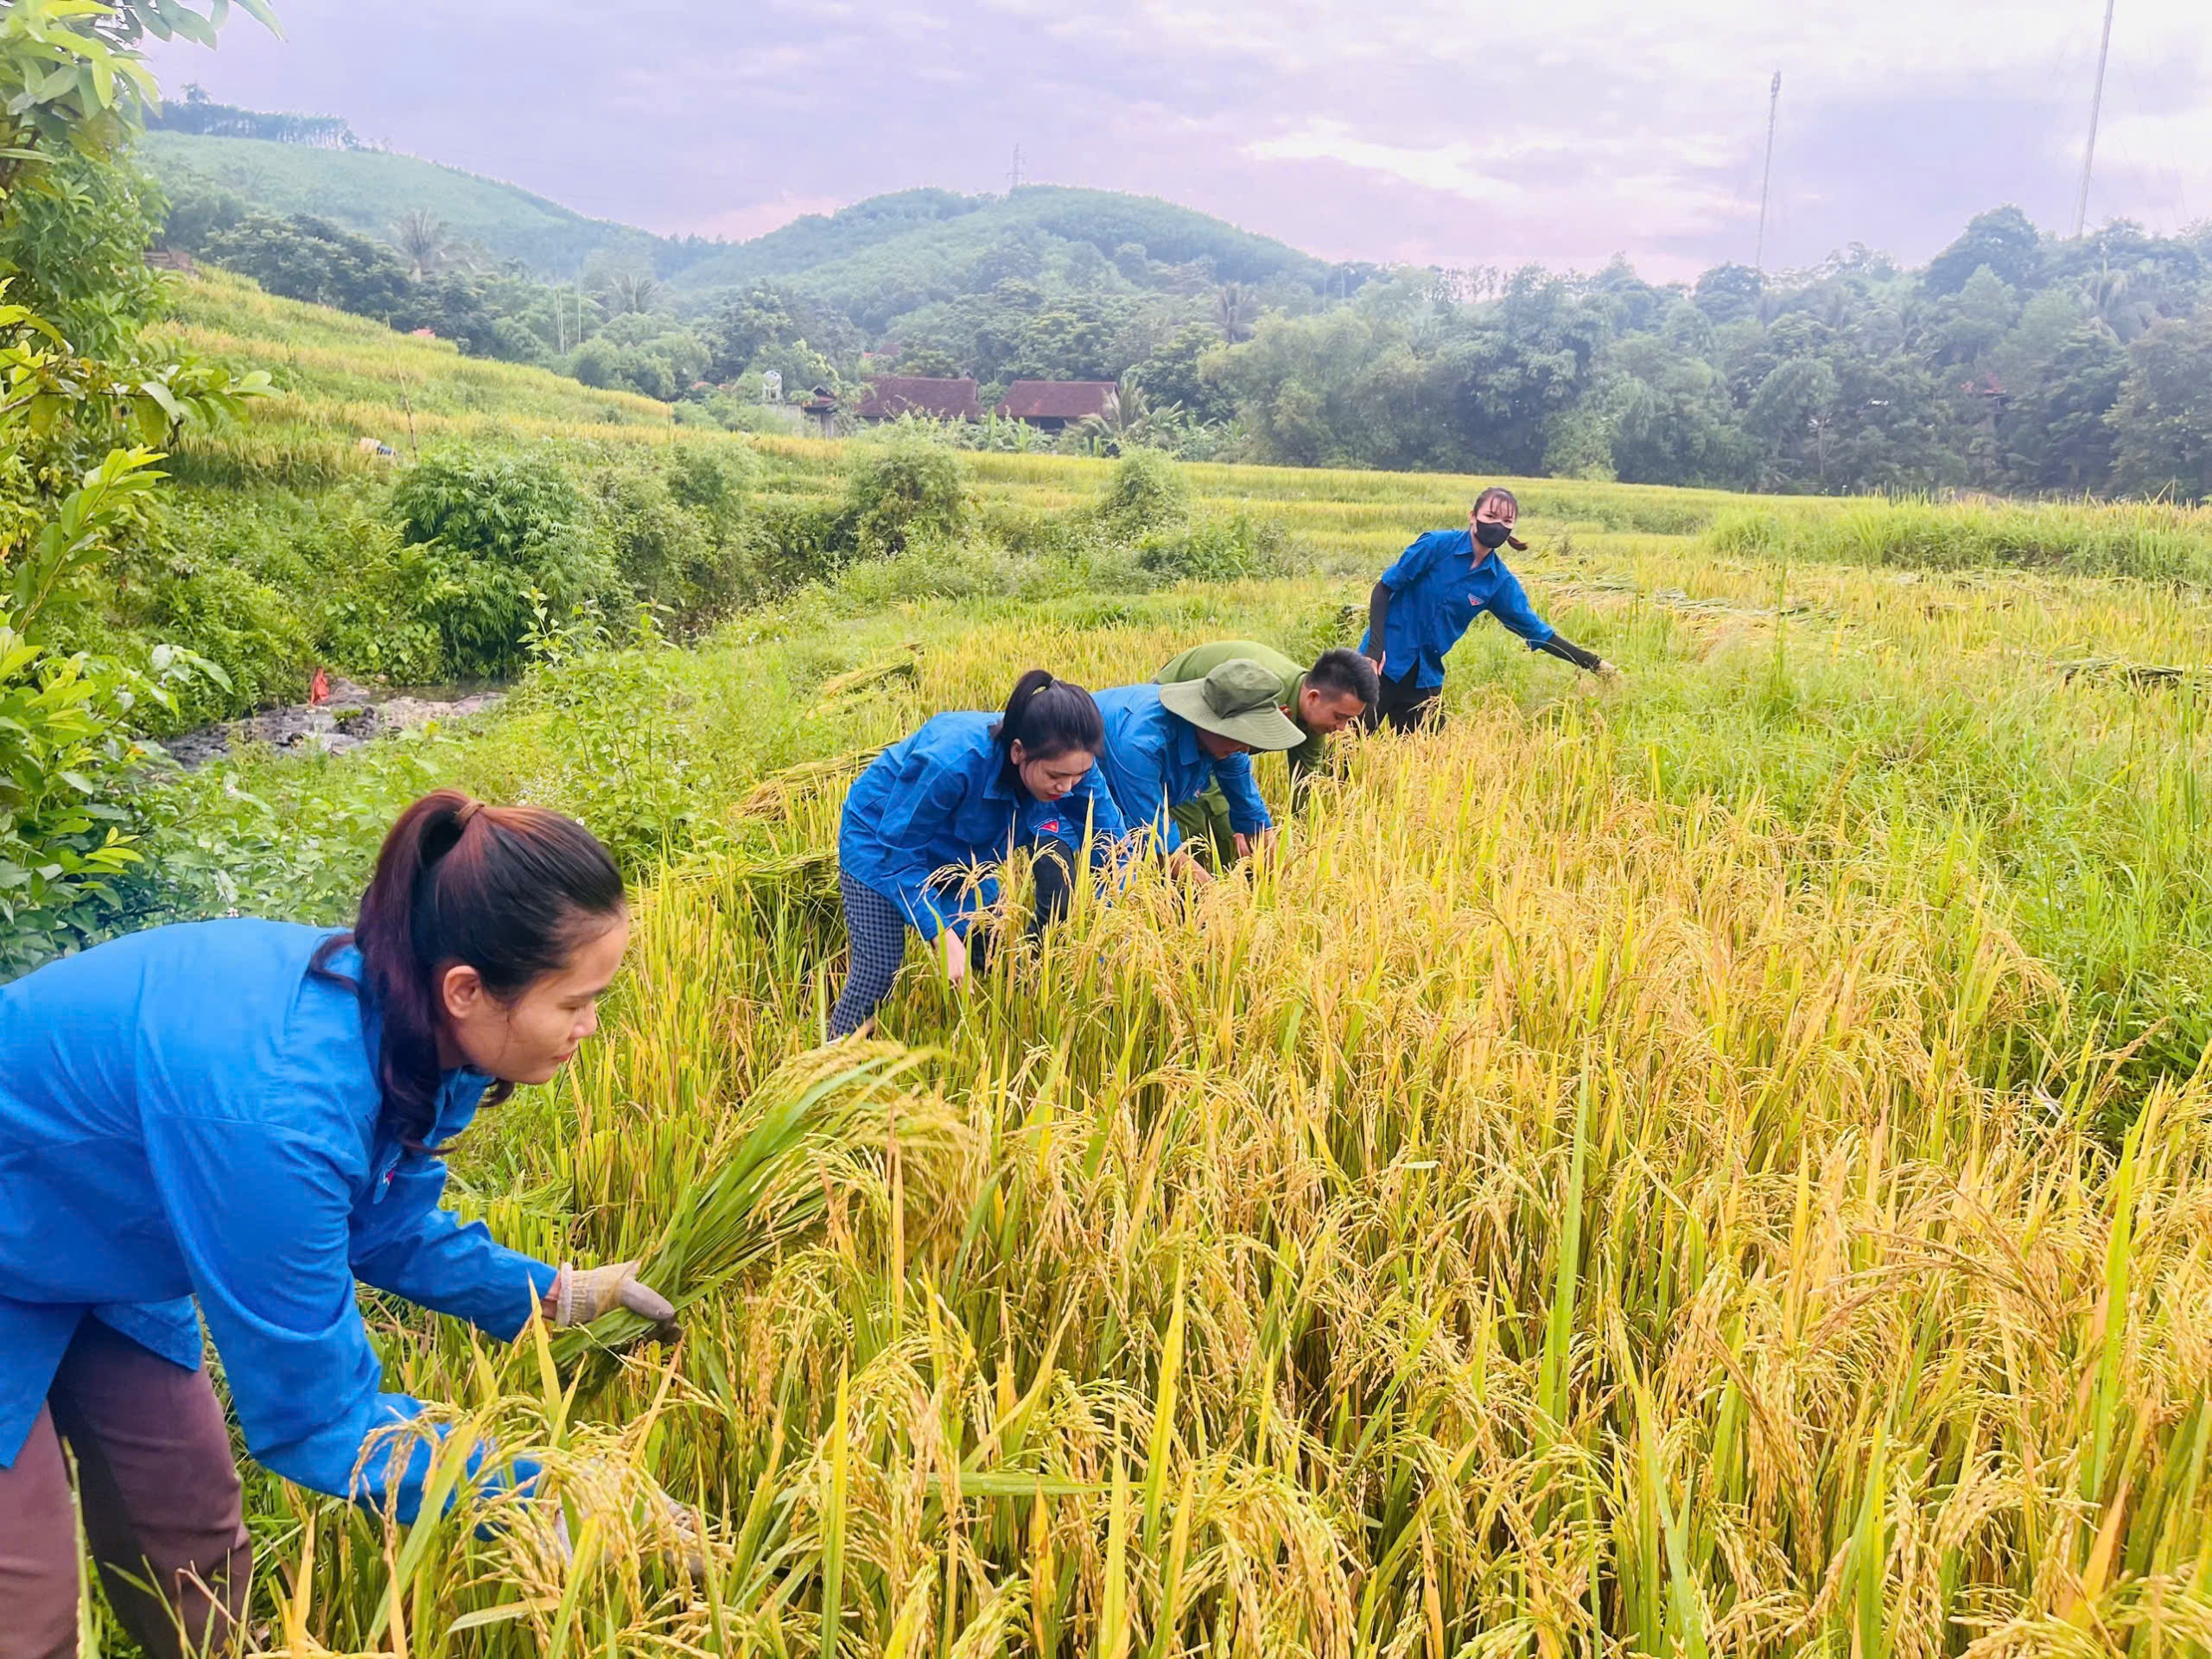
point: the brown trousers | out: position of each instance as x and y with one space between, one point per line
160 1500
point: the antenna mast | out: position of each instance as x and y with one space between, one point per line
1766 180
1013 179
2096 109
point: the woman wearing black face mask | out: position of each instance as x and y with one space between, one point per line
1424 601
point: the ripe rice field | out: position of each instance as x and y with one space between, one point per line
1719 1165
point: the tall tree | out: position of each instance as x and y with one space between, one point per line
1234 311
2057 431
2164 417
2004 240
425 240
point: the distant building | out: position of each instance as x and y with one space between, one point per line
170 259
821 410
890 396
1050 405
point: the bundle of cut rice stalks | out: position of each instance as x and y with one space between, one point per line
827 1128
775 795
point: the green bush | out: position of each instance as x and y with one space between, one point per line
907 489
659 548
628 777
372 624
254 633
1218 550
713 478
507 529
678 531
72 807
1148 492
794 541
501 505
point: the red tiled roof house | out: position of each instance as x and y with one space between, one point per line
890 396
1052 404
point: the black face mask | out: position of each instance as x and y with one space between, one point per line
1492 534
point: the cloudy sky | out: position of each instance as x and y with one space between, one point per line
1444 131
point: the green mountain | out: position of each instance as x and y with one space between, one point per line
877 258
918 233
368 191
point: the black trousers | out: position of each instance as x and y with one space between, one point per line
1055 884
1407 706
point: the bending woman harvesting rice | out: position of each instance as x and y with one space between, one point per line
249 1115
927 825
1428 599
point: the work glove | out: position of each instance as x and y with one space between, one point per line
582 1294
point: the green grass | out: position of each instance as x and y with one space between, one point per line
2153 542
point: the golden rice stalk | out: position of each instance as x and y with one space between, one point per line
818 1121
774 796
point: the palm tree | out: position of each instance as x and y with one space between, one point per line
423 238
1128 419
1235 307
630 290
2110 293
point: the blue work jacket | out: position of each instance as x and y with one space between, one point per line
1437 586
932 817
1155 763
186 1117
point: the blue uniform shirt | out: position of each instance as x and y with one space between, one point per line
1437 588
186 1116
945 801
1155 763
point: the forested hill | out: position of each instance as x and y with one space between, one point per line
863 259
214 179
914 234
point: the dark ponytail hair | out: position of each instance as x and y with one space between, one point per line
1499 492
509 891
1049 717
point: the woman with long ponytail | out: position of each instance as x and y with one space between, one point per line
250 1117
928 824
1425 600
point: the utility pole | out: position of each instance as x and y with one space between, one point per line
1766 179
2096 109
1013 179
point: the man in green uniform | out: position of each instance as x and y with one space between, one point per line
1337 691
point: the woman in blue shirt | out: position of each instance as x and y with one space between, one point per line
1425 600
926 825
249 1116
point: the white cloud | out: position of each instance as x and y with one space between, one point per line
1453 168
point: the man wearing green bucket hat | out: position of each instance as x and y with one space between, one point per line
1338 691
1166 744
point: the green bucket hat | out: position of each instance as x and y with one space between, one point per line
1239 699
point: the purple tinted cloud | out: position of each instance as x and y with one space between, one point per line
1417 131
